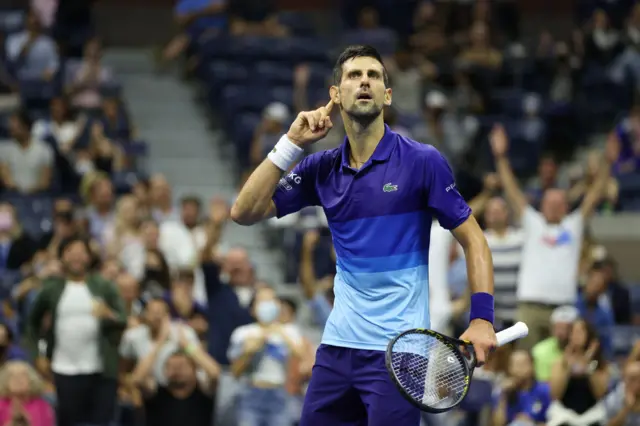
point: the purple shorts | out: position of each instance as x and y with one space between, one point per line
351 387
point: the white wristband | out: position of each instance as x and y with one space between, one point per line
285 154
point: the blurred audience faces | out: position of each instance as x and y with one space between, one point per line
161 199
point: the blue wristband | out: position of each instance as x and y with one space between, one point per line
482 307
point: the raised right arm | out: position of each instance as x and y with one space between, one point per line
499 145
257 199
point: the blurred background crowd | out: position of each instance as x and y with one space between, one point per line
126 295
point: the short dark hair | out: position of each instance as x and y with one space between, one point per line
191 199
289 302
358 51
64 244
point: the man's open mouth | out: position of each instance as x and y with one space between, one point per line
364 96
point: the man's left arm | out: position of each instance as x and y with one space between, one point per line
596 191
454 214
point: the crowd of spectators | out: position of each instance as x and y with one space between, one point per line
120 306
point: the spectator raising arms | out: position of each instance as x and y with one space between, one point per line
189 394
548 273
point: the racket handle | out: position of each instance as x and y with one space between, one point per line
516 331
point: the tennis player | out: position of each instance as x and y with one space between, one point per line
379 191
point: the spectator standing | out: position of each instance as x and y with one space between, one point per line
548 274
521 398
27 163
87 317
188 397
181 303
32 53
21 401
548 351
622 405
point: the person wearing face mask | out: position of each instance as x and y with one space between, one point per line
261 354
187 397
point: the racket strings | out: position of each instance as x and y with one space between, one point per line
429 370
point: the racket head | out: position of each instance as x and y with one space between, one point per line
437 389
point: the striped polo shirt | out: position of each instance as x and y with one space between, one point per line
507 253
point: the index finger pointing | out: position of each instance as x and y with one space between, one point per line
329 106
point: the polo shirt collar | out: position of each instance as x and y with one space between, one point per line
380 154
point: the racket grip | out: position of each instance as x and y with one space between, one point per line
516 331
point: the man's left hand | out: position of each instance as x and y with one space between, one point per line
483 338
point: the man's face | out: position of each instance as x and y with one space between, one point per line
103 192
32 24
595 286
362 92
554 205
548 171
496 215
190 214
156 312
238 267
560 331
160 190
179 371
76 258
128 287
17 128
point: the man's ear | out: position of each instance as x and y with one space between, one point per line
387 97
334 94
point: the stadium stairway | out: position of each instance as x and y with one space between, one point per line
184 149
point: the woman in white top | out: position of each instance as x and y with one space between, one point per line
122 238
263 354
60 125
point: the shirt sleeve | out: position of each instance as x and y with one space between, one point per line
297 189
235 344
126 347
443 198
613 402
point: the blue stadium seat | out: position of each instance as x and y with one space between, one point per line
11 21
479 396
297 22
274 72
244 126
629 196
382 39
623 338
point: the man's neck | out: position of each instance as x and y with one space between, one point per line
363 138
24 142
500 231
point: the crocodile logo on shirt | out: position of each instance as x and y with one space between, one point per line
389 187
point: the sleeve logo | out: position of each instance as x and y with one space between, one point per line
291 178
450 187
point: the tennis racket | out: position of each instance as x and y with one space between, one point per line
433 371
